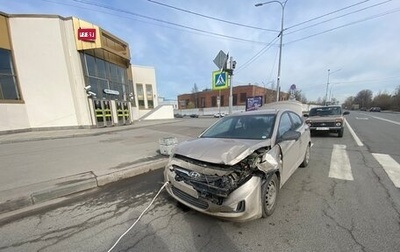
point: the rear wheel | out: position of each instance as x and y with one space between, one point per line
269 194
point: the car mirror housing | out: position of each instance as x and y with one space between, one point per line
289 135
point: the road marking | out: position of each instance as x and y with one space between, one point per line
391 167
358 141
387 120
362 118
340 164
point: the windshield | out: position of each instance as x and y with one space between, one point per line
242 127
325 111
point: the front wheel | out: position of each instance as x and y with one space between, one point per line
306 159
340 133
269 194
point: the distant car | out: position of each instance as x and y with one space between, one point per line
375 109
328 119
194 116
178 115
235 168
218 115
363 109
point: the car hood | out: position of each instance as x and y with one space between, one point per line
219 150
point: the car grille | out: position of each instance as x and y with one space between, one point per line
189 199
323 124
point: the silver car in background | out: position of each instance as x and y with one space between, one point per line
235 168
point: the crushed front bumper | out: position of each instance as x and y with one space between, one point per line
242 204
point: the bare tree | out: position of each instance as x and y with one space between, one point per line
364 98
382 100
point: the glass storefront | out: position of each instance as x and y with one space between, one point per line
103 77
8 83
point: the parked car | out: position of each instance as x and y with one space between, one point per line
178 115
375 109
219 115
328 119
194 116
235 168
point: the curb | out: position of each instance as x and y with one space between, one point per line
30 196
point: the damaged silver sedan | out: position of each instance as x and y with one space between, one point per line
235 168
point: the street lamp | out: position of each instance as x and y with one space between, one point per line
282 4
327 84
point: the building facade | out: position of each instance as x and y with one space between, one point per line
58 72
209 98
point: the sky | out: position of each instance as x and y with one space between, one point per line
353 43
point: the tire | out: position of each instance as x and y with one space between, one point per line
306 159
269 195
340 133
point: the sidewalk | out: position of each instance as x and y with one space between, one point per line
36 169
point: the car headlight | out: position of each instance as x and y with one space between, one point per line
339 123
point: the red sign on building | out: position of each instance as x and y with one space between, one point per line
87 34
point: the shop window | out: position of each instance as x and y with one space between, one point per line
8 83
101 75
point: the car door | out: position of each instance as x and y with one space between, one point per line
289 148
298 125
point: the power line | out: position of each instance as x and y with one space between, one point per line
167 22
257 55
345 25
213 18
327 14
328 20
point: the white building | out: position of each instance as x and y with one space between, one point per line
60 72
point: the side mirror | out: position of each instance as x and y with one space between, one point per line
289 135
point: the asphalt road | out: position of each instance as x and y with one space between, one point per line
316 211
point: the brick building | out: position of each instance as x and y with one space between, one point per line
209 98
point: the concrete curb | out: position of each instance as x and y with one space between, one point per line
27 197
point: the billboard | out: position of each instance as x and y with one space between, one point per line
253 103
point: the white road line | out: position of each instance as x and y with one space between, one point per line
391 167
358 141
340 164
386 120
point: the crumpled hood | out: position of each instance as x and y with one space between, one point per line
219 150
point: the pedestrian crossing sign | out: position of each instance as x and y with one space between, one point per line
219 80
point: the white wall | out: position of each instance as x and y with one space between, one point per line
13 117
43 70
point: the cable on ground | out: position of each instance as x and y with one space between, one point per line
140 216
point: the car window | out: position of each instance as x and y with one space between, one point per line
242 127
325 111
297 121
284 125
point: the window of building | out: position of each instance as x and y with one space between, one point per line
243 97
100 75
202 102
140 95
8 83
234 96
149 95
213 101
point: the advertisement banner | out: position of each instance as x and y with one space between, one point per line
253 103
